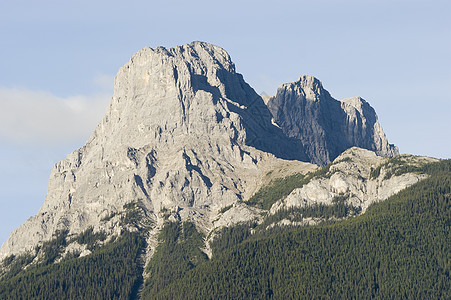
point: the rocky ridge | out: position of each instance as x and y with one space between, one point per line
359 178
326 127
183 134
184 137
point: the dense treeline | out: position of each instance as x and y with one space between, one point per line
178 252
111 272
324 214
228 237
399 249
90 238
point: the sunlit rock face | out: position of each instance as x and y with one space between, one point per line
326 127
350 179
185 136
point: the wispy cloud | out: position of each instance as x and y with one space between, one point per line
104 82
39 117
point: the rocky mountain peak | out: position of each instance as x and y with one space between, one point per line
183 133
185 136
308 86
326 127
189 90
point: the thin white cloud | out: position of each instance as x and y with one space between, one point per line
30 117
103 81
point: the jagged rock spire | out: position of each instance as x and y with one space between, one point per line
326 127
185 133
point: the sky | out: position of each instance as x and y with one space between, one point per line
58 60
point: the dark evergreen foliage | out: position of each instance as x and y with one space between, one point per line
399 249
178 252
224 209
282 187
89 238
109 273
276 190
395 166
325 213
15 264
52 249
228 237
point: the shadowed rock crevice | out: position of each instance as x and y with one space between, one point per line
190 168
139 183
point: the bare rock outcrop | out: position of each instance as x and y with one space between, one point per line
184 133
326 127
357 177
184 137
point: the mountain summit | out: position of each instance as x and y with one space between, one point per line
184 137
326 127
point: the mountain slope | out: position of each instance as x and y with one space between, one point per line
184 133
187 144
398 249
304 110
112 272
177 136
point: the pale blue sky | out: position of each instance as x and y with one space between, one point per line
58 60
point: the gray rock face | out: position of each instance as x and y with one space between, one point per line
350 177
304 110
184 134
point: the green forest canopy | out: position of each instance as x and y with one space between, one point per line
399 248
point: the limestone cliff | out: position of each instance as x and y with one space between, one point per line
184 133
185 136
305 111
359 178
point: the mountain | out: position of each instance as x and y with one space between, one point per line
304 110
397 249
184 133
186 149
